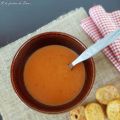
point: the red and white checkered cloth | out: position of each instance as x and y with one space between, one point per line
98 25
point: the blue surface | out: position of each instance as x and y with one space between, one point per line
18 20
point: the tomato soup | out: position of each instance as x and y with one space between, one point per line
49 80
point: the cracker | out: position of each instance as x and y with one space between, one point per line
106 94
78 113
113 110
94 111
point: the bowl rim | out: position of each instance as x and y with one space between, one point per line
19 50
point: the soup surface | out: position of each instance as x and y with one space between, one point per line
49 80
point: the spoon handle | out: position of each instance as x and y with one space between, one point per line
97 47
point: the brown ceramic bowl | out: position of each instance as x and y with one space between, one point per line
32 45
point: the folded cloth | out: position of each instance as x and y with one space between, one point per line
101 23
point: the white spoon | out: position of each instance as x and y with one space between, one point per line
97 47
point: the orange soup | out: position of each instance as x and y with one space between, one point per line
49 80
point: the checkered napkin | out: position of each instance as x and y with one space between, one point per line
98 25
